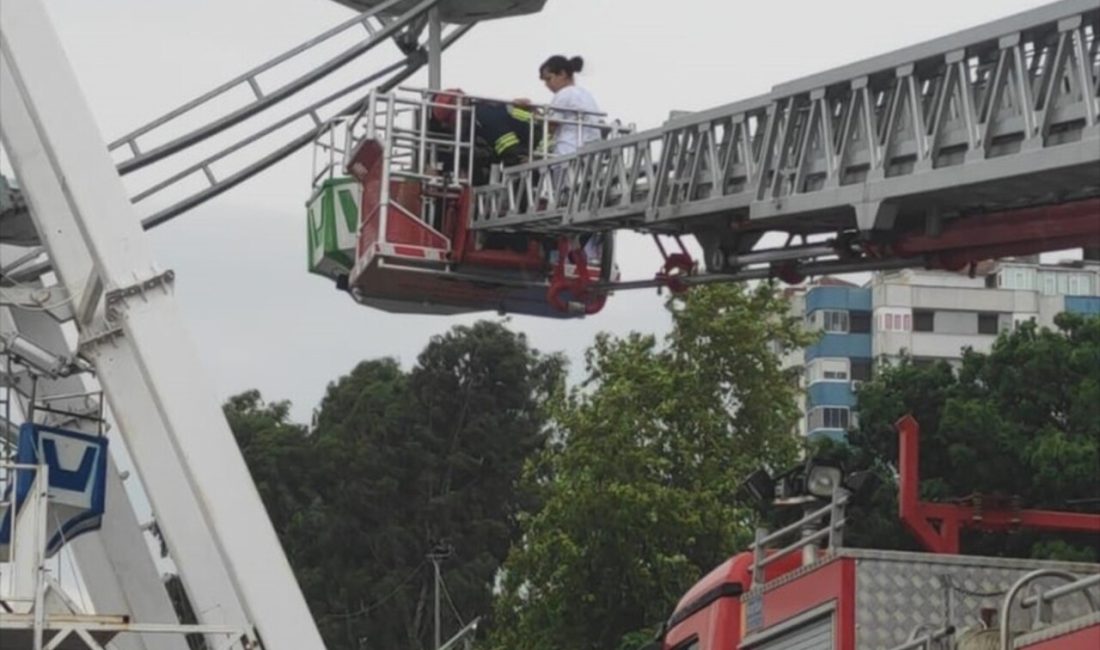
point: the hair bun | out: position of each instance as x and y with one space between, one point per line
576 64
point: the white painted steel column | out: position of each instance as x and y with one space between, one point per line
114 561
177 508
27 548
168 385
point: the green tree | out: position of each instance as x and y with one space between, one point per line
397 463
1022 420
637 489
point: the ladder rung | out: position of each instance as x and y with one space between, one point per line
252 83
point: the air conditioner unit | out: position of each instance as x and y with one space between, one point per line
856 385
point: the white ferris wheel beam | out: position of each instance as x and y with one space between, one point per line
114 561
181 445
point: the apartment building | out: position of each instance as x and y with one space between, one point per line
927 315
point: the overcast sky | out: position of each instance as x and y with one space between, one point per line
258 319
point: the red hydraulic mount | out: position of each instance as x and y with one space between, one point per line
937 525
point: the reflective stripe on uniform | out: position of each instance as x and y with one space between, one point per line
505 142
519 113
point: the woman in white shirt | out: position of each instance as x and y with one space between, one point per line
575 106
569 100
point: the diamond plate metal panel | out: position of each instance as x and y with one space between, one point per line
899 592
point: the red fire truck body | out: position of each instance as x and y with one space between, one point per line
803 597
863 599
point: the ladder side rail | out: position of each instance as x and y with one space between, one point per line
901 118
202 133
265 131
987 32
561 174
249 77
411 66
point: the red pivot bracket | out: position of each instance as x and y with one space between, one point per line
572 291
676 266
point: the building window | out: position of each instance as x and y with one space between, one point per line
987 323
923 320
861 369
828 417
859 322
1079 285
836 418
894 322
826 369
834 321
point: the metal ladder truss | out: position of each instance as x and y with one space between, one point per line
375 33
905 139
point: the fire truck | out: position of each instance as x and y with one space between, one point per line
813 593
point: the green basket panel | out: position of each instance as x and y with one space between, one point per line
333 226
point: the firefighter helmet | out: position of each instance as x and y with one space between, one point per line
443 105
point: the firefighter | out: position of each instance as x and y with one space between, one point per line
502 135
503 132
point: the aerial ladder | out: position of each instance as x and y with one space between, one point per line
981 144
977 145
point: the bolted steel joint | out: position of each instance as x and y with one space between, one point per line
116 298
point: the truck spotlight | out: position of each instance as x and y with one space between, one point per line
862 483
758 487
822 480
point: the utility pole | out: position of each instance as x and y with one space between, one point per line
441 551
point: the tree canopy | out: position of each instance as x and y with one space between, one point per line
399 463
1022 420
579 517
636 491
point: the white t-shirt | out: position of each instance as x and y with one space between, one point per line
567 140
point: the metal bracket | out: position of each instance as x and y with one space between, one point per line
95 339
116 297
54 300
